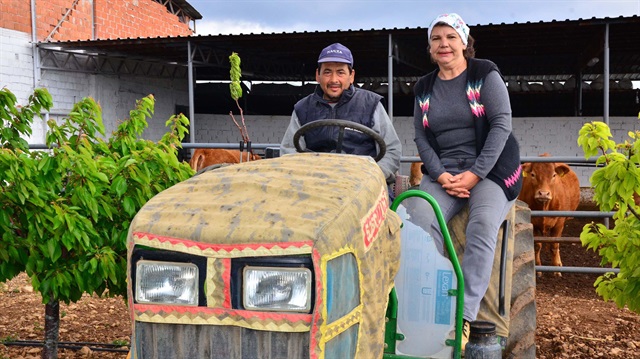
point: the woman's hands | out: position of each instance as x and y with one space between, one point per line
459 185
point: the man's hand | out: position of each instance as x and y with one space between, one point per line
459 185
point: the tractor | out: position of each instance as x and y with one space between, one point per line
298 257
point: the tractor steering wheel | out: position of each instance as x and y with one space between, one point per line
342 124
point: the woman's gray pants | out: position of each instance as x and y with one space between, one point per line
488 207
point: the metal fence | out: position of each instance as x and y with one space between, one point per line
571 161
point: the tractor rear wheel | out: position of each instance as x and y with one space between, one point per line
522 327
519 319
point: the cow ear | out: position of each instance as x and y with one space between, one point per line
562 169
199 163
526 169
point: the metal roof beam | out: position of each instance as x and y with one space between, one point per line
101 64
253 66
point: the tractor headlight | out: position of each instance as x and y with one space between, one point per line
277 289
166 282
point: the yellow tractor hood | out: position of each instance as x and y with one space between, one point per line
321 205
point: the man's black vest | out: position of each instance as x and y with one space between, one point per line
354 105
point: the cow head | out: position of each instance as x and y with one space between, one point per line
543 177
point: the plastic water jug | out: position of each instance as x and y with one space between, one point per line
426 313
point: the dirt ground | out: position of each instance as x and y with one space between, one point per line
573 322
90 320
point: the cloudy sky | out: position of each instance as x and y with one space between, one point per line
255 16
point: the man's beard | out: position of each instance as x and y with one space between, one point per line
333 98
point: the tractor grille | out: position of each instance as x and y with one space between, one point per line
179 341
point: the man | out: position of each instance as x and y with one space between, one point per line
335 97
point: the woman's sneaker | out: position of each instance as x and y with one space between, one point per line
465 335
466 329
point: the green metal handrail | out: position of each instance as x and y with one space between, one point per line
391 334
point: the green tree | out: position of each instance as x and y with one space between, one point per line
65 212
616 185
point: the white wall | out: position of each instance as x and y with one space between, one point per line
558 136
117 95
536 135
16 62
221 128
16 72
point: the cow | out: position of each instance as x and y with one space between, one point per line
415 176
204 157
549 186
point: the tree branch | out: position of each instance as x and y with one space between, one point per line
238 126
634 212
245 134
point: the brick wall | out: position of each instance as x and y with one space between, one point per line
16 15
113 19
136 18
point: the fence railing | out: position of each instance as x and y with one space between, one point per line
571 161
187 145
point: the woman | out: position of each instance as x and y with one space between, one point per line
462 121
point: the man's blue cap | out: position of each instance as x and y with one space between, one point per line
336 53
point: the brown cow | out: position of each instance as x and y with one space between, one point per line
415 176
549 187
204 157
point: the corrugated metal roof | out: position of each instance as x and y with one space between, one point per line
188 9
532 50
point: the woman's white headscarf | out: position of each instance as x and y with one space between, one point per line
455 21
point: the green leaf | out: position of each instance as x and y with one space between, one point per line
70 221
93 264
119 186
130 162
129 205
79 278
